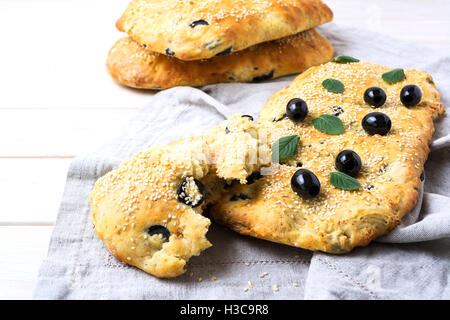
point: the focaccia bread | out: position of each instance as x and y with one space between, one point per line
202 29
327 217
148 211
132 65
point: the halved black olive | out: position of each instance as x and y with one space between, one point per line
159 230
263 77
185 187
410 95
305 184
349 162
296 110
375 97
200 22
239 196
376 123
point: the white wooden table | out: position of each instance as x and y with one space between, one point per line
57 101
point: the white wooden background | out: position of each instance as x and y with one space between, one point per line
57 101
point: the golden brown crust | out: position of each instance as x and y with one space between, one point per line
131 65
337 220
164 26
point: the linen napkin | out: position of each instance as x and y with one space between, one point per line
410 262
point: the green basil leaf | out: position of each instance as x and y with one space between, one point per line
344 59
285 147
393 76
329 124
333 85
343 181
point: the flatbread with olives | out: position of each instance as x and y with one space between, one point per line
148 211
363 138
202 29
132 65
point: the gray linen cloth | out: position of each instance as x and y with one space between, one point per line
410 262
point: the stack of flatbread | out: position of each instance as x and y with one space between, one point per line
198 42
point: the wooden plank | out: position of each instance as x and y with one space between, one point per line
31 190
58 132
23 250
414 21
406 10
57 58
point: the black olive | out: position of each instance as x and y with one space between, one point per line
224 52
200 22
410 95
296 110
169 52
376 123
227 131
263 77
239 196
253 177
337 110
248 116
159 230
348 161
375 97
282 117
184 197
305 184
